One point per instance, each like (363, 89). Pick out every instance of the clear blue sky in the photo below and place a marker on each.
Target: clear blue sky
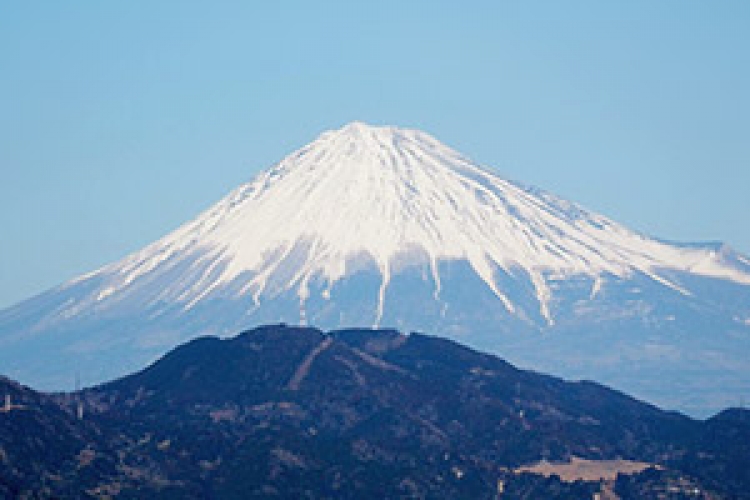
(121, 120)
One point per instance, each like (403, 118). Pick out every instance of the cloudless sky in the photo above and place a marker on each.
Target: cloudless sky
(121, 120)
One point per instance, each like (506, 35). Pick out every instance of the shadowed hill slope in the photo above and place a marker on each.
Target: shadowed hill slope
(296, 412)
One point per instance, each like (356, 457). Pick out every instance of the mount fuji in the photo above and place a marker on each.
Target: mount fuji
(382, 226)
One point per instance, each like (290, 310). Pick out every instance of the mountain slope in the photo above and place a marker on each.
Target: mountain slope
(291, 412)
(45, 451)
(387, 226)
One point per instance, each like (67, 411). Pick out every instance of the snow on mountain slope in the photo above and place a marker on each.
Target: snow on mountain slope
(396, 196)
(340, 225)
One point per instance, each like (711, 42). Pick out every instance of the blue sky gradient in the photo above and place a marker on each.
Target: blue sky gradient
(121, 120)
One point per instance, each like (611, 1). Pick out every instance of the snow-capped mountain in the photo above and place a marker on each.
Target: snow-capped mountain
(381, 226)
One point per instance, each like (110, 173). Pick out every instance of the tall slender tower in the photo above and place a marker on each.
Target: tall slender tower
(79, 403)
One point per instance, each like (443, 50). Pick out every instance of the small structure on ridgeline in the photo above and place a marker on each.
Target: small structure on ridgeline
(79, 403)
(9, 406)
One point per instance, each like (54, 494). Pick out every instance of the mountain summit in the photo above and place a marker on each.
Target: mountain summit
(371, 226)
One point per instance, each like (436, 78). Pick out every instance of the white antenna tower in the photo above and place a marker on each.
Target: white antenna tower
(79, 404)
(9, 406)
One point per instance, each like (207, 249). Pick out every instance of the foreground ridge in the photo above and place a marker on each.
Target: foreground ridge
(371, 413)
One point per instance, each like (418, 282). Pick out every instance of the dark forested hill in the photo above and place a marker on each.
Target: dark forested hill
(298, 413)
